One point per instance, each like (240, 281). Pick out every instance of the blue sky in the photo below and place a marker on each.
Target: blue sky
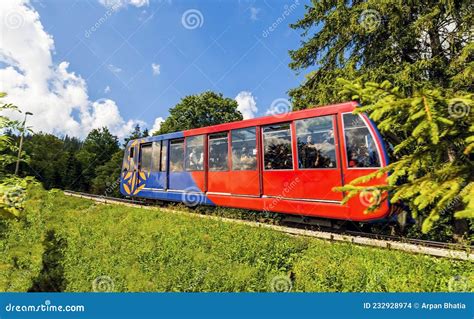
(146, 56)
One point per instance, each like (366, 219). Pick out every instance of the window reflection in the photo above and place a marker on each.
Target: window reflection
(244, 149)
(195, 153)
(360, 146)
(145, 157)
(277, 145)
(218, 152)
(316, 142)
(177, 155)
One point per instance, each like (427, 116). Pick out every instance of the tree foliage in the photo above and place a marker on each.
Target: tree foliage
(135, 134)
(107, 179)
(200, 110)
(412, 44)
(12, 189)
(7, 145)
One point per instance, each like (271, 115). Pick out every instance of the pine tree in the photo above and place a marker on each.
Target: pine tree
(412, 44)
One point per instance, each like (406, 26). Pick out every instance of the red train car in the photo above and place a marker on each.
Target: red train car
(285, 163)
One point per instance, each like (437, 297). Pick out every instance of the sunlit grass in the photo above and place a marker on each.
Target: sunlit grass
(156, 250)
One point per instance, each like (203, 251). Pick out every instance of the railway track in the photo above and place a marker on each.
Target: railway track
(425, 247)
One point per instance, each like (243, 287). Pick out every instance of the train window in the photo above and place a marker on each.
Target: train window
(156, 156)
(218, 152)
(132, 152)
(360, 145)
(145, 157)
(177, 155)
(126, 162)
(244, 149)
(195, 153)
(164, 153)
(316, 142)
(277, 146)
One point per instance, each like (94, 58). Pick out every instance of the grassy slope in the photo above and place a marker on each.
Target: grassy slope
(152, 250)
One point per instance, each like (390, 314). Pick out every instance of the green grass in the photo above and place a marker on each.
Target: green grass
(66, 243)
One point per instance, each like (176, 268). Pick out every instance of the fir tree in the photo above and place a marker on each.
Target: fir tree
(413, 44)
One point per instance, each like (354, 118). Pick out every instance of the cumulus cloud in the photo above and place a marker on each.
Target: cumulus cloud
(56, 96)
(155, 68)
(247, 105)
(157, 125)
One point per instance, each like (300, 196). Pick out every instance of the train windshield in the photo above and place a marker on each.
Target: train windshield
(360, 145)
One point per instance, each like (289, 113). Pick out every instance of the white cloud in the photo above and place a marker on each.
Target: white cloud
(118, 4)
(247, 105)
(107, 89)
(157, 125)
(155, 68)
(253, 13)
(114, 69)
(56, 96)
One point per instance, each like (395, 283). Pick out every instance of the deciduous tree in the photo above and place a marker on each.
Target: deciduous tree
(200, 110)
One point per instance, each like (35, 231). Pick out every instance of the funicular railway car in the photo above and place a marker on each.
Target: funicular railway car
(285, 163)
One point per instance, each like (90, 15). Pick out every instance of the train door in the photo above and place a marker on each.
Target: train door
(318, 159)
(158, 176)
(129, 170)
(177, 176)
(278, 175)
(218, 177)
(144, 165)
(244, 173)
(194, 162)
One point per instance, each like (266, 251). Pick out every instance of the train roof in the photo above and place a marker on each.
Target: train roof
(263, 120)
